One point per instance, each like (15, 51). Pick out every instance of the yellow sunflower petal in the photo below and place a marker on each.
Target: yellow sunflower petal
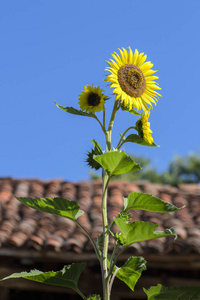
(135, 56)
(131, 79)
(92, 99)
(130, 56)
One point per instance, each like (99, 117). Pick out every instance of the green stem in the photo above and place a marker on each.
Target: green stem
(81, 294)
(104, 266)
(112, 279)
(112, 260)
(110, 126)
(105, 178)
(118, 145)
(111, 225)
(91, 240)
(102, 126)
(119, 254)
(104, 119)
(117, 269)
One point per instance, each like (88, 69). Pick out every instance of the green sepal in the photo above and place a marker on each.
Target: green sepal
(134, 138)
(56, 206)
(136, 113)
(94, 152)
(139, 231)
(67, 277)
(161, 292)
(74, 111)
(148, 202)
(131, 271)
(116, 163)
(132, 111)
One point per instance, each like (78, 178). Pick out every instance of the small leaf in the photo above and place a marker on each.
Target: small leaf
(148, 202)
(131, 271)
(161, 292)
(74, 111)
(56, 206)
(141, 231)
(134, 138)
(116, 163)
(67, 277)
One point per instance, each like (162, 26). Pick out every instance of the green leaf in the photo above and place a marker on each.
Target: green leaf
(131, 271)
(67, 277)
(116, 163)
(134, 138)
(74, 111)
(161, 292)
(148, 202)
(141, 231)
(56, 206)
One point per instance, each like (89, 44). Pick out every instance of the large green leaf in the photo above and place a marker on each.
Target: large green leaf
(134, 138)
(147, 202)
(56, 206)
(67, 277)
(140, 231)
(131, 271)
(116, 163)
(161, 292)
(74, 111)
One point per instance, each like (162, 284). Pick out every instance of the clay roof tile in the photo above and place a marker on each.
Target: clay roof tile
(21, 226)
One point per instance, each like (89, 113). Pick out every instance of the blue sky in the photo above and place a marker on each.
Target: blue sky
(51, 49)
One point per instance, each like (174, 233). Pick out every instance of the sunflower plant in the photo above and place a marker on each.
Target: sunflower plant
(135, 90)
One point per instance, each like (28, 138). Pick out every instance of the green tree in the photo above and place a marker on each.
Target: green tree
(185, 169)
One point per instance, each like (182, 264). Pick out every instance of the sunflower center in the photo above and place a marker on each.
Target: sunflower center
(93, 99)
(131, 80)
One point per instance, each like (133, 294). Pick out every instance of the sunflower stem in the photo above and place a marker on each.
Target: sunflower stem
(122, 136)
(91, 240)
(106, 178)
(112, 279)
(109, 131)
(104, 265)
(81, 294)
(104, 119)
(102, 126)
(112, 260)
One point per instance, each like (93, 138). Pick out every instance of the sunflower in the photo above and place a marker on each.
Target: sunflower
(143, 128)
(132, 81)
(92, 99)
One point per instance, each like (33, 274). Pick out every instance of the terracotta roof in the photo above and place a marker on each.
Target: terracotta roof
(24, 228)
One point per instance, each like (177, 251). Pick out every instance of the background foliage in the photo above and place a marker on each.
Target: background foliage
(182, 169)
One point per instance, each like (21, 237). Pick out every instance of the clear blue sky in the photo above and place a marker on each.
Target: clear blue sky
(51, 49)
